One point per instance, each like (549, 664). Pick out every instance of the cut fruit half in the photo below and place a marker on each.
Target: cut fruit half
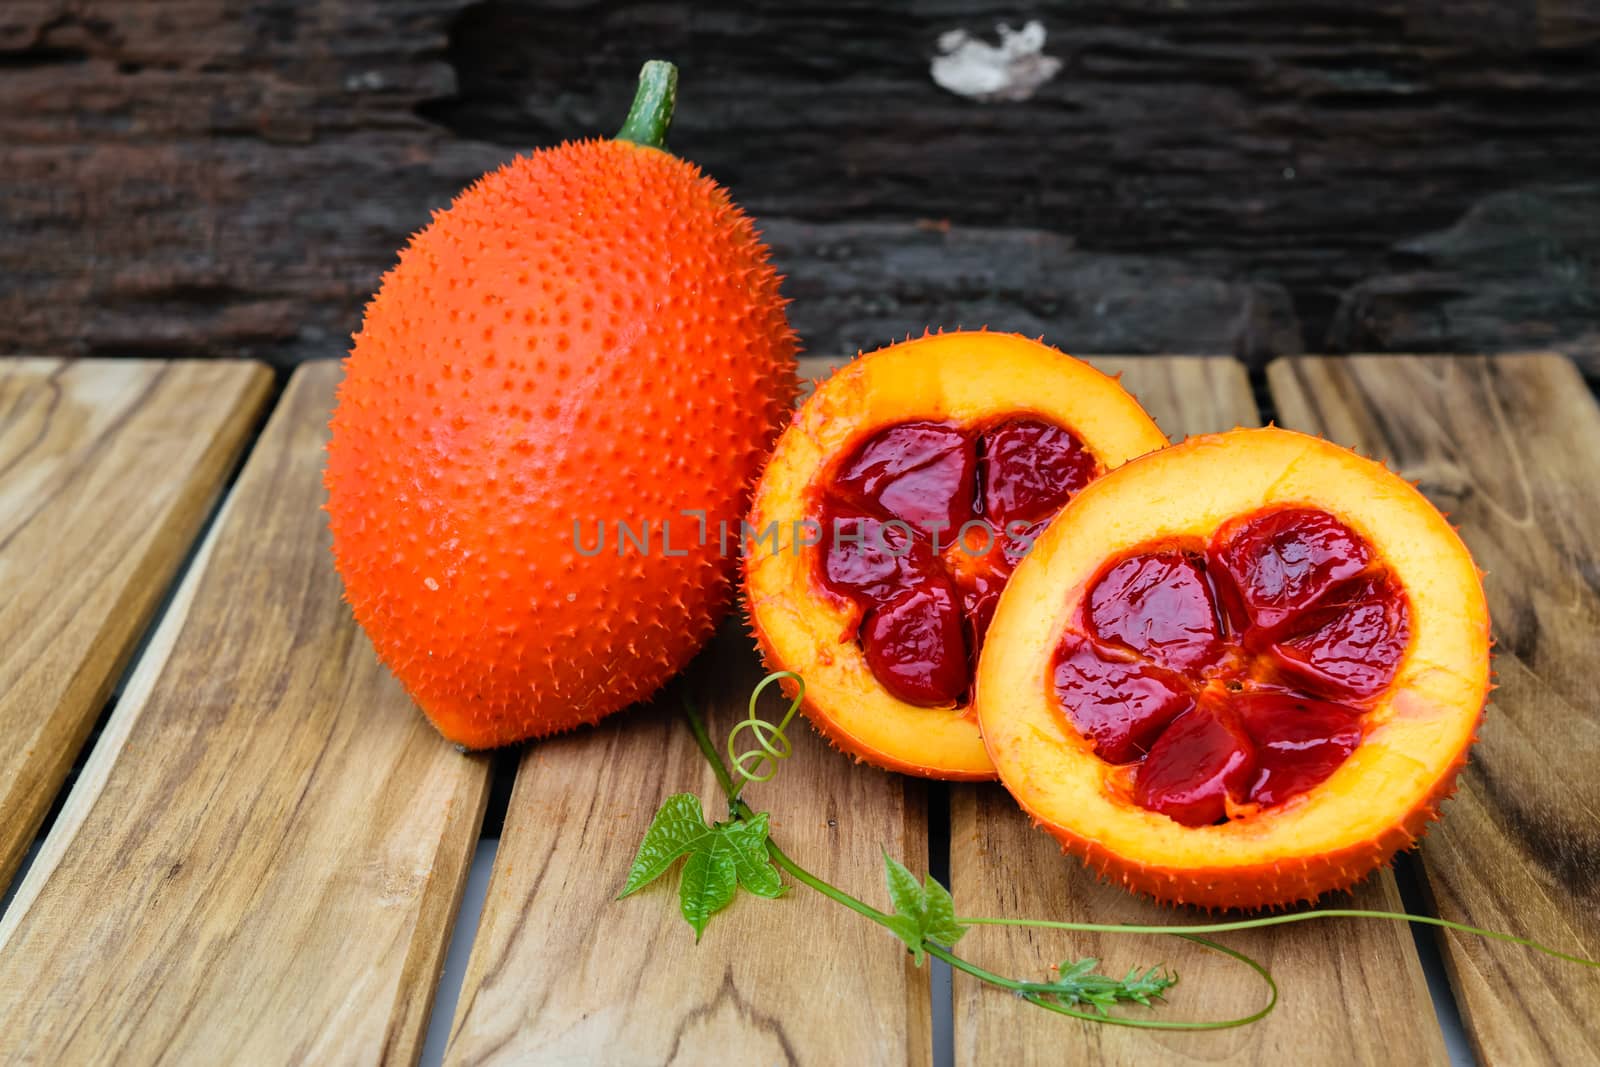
(1241, 671)
(891, 515)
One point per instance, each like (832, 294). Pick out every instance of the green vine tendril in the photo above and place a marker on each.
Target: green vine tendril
(761, 764)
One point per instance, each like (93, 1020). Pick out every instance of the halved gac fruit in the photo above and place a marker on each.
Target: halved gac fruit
(1239, 672)
(893, 511)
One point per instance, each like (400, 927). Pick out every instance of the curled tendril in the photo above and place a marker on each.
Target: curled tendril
(761, 763)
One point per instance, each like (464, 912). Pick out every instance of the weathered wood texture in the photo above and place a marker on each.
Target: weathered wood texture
(1520, 270)
(196, 176)
(261, 861)
(107, 470)
(1352, 992)
(563, 973)
(1290, 142)
(857, 286)
(1508, 447)
(767, 984)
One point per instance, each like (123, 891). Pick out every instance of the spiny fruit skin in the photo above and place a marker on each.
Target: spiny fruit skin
(591, 334)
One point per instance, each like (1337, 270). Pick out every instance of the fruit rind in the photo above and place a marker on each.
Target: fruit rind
(1418, 732)
(965, 377)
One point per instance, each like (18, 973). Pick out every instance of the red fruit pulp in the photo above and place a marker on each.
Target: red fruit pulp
(1159, 606)
(906, 639)
(920, 472)
(1281, 560)
(921, 527)
(1123, 704)
(1196, 766)
(1238, 672)
(1299, 742)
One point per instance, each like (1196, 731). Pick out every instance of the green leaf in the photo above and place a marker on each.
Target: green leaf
(1077, 970)
(678, 827)
(924, 912)
(939, 909)
(909, 906)
(709, 881)
(750, 859)
(721, 858)
(904, 892)
(907, 930)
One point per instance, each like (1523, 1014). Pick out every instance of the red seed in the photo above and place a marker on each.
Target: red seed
(1030, 469)
(921, 472)
(1121, 706)
(1299, 742)
(1158, 605)
(1274, 566)
(1201, 761)
(872, 558)
(1353, 641)
(914, 645)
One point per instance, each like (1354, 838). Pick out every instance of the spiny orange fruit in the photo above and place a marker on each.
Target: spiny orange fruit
(1240, 671)
(589, 338)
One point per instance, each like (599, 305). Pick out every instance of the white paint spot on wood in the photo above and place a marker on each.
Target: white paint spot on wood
(1013, 70)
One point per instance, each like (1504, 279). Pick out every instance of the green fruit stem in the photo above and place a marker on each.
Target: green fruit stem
(651, 112)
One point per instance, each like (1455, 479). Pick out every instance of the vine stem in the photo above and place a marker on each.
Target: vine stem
(739, 809)
(1279, 920)
(772, 743)
(1043, 994)
(1037, 993)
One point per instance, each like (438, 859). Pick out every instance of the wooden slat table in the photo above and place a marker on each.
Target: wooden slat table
(261, 858)
(563, 973)
(106, 473)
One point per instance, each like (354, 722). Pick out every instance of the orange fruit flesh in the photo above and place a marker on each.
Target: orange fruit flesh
(900, 499)
(1238, 672)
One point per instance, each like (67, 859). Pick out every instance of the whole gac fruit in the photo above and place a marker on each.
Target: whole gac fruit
(589, 338)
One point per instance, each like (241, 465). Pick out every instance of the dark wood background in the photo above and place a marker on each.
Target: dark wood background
(206, 177)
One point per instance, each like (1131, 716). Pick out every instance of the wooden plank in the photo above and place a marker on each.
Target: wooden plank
(263, 857)
(563, 973)
(1352, 993)
(1507, 445)
(107, 470)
